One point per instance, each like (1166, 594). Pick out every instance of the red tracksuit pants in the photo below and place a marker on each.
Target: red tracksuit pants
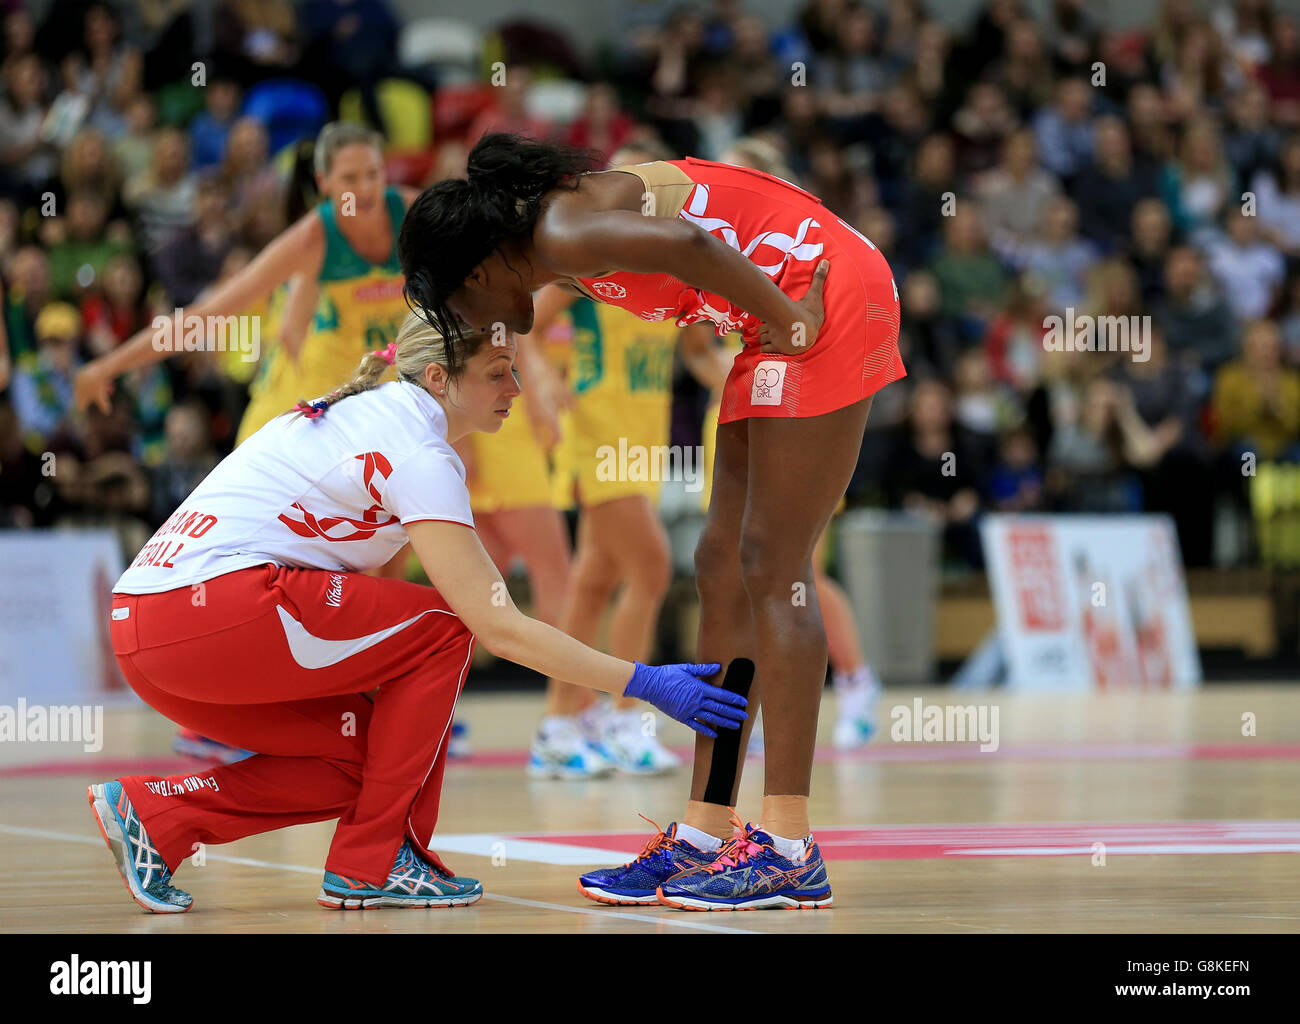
(276, 660)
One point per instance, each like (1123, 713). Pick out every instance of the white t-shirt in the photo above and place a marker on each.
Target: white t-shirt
(327, 493)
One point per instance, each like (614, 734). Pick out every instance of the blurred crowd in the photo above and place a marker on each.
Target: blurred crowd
(1012, 169)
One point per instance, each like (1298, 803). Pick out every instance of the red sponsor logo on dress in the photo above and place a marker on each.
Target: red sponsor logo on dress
(378, 291)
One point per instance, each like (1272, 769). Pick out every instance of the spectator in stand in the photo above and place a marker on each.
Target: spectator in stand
(163, 197)
(931, 339)
(715, 116)
(904, 22)
(27, 160)
(1014, 342)
(1250, 143)
(26, 295)
(1249, 271)
(1280, 77)
(1257, 399)
(1061, 259)
(245, 175)
(189, 458)
(1073, 35)
(1064, 129)
(42, 387)
(760, 78)
(88, 165)
(1148, 249)
(510, 113)
(1198, 185)
(134, 149)
(833, 181)
(1014, 196)
(210, 126)
(104, 70)
(350, 44)
(1094, 454)
(893, 136)
(1109, 188)
(801, 123)
(930, 73)
(116, 310)
(933, 471)
(191, 259)
(980, 407)
(1149, 129)
(921, 212)
(852, 75)
(1277, 199)
(1180, 478)
(1016, 483)
(1290, 323)
(820, 22)
(972, 283)
(1200, 76)
(85, 245)
(602, 125)
(981, 127)
(27, 495)
(19, 37)
(1247, 26)
(1113, 290)
(1193, 316)
(1026, 75)
(256, 39)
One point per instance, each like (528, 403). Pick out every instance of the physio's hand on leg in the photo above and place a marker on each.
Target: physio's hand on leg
(678, 691)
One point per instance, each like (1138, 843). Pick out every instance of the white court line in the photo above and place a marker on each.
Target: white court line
(612, 913)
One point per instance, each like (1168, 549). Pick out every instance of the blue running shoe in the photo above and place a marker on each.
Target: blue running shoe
(750, 874)
(636, 882)
(413, 882)
(147, 877)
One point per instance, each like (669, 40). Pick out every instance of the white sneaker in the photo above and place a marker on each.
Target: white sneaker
(560, 751)
(856, 696)
(628, 746)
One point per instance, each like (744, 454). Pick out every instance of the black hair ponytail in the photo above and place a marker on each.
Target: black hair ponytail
(455, 225)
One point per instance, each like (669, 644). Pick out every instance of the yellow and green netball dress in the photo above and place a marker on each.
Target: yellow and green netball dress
(620, 374)
(360, 308)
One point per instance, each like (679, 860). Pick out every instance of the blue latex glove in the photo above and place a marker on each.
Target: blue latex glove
(677, 691)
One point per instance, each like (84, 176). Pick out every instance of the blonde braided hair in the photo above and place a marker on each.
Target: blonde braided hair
(417, 346)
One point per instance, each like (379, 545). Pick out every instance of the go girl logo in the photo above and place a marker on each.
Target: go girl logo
(769, 382)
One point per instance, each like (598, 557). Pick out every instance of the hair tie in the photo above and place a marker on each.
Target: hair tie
(310, 410)
(390, 353)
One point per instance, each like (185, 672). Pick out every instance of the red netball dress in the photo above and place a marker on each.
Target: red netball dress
(785, 232)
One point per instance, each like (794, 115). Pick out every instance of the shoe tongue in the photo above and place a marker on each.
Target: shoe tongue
(755, 835)
(671, 830)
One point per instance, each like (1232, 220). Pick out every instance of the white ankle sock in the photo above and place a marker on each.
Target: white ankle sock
(699, 840)
(791, 848)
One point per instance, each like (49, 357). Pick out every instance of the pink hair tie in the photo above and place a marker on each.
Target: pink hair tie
(390, 353)
(310, 410)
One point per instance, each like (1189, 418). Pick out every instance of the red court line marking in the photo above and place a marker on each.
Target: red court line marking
(920, 842)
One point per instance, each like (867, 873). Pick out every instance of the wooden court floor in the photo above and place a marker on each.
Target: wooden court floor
(1116, 813)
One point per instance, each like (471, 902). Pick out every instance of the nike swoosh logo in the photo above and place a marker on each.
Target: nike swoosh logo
(315, 652)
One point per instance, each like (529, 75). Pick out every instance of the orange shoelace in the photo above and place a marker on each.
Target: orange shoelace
(657, 842)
